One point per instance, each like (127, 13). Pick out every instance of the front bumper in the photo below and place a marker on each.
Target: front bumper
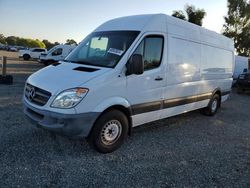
(41, 60)
(72, 125)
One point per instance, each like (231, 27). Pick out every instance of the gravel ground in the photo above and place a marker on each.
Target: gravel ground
(189, 150)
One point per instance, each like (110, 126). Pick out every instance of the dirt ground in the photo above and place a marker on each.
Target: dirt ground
(189, 150)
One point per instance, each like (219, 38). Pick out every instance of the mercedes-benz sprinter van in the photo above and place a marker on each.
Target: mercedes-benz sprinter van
(128, 72)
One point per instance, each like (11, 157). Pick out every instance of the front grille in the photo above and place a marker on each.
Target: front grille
(36, 95)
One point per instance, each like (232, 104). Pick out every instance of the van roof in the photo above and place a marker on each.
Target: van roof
(133, 23)
(167, 24)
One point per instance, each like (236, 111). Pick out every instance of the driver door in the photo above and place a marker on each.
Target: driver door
(145, 91)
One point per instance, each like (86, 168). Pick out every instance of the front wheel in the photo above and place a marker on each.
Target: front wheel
(213, 106)
(109, 131)
(26, 57)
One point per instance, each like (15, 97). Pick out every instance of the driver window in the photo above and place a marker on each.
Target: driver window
(58, 51)
(151, 50)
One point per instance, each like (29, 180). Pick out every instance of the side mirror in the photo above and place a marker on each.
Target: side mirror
(135, 65)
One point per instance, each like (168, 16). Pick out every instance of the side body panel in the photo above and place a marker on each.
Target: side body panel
(198, 62)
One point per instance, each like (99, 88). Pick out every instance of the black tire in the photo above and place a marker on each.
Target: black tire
(26, 57)
(213, 106)
(103, 126)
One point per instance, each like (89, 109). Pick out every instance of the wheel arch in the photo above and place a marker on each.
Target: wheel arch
(116, 103)
(217, 91)
(26, 54)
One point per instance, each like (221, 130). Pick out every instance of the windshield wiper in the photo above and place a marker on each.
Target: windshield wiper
(83, 62)
(78, 62)
(86, 63)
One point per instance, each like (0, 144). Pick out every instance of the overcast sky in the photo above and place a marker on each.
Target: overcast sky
(58, 20)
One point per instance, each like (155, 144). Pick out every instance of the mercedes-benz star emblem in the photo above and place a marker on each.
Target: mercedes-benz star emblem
(31, 94)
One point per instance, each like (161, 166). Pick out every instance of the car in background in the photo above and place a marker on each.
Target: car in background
(241, 63)
(33, 53)
(2, 46)
(55, 54)
(21, 48)
(243, 82)
(13, 49)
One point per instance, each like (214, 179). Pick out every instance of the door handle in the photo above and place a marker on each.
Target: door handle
(158, 78)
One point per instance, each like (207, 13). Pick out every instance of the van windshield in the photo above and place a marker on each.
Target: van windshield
(52, 49)
(103, 49)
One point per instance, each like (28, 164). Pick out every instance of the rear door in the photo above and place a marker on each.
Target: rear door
(36, 53)
(145, 91)
(33, 53)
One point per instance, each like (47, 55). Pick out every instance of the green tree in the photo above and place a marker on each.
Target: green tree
(26, 42)
(12, 40)
(35, 43)
(40, 44)
(31, 43)
(2, 39)
(22, 42)
(71, 41)
(56, 43)
(237, 25)
(49, 44)
(179, 14)
(191, 14)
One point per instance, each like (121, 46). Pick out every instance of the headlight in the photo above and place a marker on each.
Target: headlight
(69, 98)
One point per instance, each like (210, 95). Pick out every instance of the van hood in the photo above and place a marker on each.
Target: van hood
(61, 76)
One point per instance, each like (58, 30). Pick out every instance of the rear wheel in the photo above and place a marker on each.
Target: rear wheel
(26, 57)
(213, 106)
(109, 131)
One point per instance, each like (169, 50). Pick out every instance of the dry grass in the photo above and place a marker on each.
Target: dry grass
(17, 67)
(9, 54)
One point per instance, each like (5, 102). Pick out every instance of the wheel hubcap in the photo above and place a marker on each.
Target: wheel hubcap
(214, 105)
(111, 132)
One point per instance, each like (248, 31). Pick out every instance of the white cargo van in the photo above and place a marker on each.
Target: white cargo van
(55, 54)
(241, 64)
(128, 72)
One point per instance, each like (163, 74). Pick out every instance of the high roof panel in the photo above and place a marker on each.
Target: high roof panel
(168, 24)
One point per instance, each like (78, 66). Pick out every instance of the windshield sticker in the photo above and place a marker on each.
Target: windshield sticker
(115, 51)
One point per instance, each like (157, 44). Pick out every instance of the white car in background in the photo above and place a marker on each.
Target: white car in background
(33, 53)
